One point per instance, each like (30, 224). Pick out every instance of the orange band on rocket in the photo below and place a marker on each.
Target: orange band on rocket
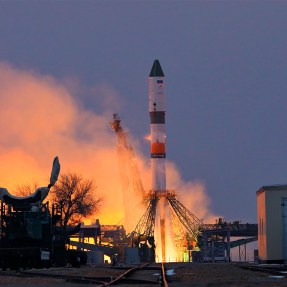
(157, 147)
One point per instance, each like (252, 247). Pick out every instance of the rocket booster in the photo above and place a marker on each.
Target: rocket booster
(157, 109)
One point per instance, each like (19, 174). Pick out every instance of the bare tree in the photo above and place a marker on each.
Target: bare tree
(26, 189)
(77, 196)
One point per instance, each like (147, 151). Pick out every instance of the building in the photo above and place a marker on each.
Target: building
(272, 224)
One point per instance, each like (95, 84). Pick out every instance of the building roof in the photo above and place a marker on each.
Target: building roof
(275, 187)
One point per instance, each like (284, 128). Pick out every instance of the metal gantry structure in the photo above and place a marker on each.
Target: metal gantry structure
(132, 186)
(146, 224)
(193, 225)
(190, 224)
(212, 239)
(128, 164)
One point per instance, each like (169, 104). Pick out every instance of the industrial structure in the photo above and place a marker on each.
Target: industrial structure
(272, 224)
(101, 240)
(31, 235)
(132, 187)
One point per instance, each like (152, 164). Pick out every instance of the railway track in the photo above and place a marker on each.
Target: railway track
(152, 275)
(145, 274)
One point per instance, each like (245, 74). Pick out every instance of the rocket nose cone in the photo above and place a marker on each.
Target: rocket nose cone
(156, 70)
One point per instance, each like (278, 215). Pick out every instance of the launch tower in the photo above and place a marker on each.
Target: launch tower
(132, 187)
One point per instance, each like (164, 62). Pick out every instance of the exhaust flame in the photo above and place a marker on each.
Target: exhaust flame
(164, 233)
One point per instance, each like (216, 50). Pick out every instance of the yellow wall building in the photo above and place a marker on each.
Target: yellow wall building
(272, 223)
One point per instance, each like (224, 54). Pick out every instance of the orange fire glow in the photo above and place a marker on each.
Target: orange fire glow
(40, 118)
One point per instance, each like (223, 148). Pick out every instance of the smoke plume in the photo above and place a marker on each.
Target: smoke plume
(41, 117)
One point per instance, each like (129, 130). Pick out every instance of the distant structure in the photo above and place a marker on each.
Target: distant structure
(272, 224)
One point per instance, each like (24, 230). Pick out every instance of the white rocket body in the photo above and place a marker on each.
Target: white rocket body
(157, 109)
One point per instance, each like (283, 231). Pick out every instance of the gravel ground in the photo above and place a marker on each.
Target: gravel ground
(184, 274)
(221, 274)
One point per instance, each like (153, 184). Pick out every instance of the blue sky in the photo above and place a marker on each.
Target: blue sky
(225, 64)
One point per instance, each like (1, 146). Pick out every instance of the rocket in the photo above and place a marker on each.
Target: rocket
(157, 109)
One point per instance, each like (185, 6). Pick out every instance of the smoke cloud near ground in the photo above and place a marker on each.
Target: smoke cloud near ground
(191, 194)
(41, 117)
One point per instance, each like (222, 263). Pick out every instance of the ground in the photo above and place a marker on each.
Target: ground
(222, 274)
(184, 274)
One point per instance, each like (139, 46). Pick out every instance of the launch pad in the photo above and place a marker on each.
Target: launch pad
(187, 225)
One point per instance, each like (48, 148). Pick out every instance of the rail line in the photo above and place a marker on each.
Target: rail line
(164, 279)
(138, 275)
(148, 274)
